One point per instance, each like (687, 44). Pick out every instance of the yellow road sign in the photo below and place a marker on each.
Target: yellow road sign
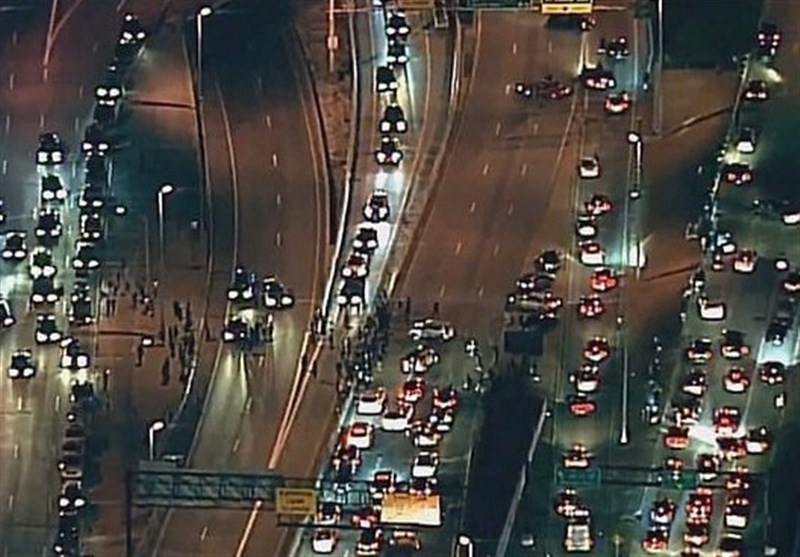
(415, 5)
(295, 501)
(558, 7)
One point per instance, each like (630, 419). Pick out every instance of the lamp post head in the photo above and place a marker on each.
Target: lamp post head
(157, 425)
(634, 138)
(166, 189)
(205, 11)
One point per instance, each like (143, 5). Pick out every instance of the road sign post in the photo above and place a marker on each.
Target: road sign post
(575, 477)
(567, 7)
(296, 501)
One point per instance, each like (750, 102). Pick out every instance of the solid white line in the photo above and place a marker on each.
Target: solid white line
(11, 79)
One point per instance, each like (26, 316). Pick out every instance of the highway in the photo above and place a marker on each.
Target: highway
(35, 100)
(265, 140)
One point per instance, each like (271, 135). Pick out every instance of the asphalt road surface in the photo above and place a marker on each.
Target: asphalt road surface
(278, 207)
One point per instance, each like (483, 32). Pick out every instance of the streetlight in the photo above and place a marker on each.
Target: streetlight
(635, 139)
(163, 191)
(203, 12)
(464, 546)
(154, 428)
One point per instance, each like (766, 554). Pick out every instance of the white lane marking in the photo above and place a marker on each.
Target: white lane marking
(268, 121)
(204, 533)
(57, 403)
(19, 404)
(458, 248)
(45, 75)
(11, 79)
(472, 207)
(5, 167)
(11, 501)
(274, 159)
(278, 199)
(441, 291)
(14, 38)
(80, 91)
(498, 128)
(535, 128)
(8, 122)
(278, 239)
(77, 124)
(16, 450)
(524, 169)
(514, 48)
(249, 404)
(41, 121)
(235, 445)
(510, 209)
(508, 88)
(496, 250)
(480, 292)
(486, 169)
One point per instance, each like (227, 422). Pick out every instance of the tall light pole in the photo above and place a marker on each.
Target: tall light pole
(203, 12)
(163, 191)
(333, 38)
(154, 428)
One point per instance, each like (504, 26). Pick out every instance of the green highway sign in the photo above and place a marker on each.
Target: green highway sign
(575, 477)
(680, 480)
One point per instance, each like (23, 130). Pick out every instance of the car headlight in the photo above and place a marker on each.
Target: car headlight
(247, 294)
(288, 300)
(355, 299)
(63, 502)
(41, 157)
(386, 126)
(78, 263)
(347, 272)
(28, 372)
(341, 299)
(232, 294)
(401, 126)
(271, 302)
(13, 373)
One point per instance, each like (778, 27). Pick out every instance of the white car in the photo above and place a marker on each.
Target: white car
(276, 294)
(586, 227)
(711, 311)
(51, 150)
(593, 254)
(736, 381)
(324, 541)
(419, 360)
(425, 465)
(361, 435)
(73, 356)
(22, 365)
(376, 209)
(589, 167)
(587, 379)
(15, 247)
(399, 419)
(41, 264)
(577, 457)
(356, 266)
(431, 329)
(366, 239)
(47, 330)
(746, 142)
(389, 153)
(745, 261)
(371, 403)
(85, 258)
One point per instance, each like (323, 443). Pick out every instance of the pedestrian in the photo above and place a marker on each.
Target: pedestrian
(135, 300)
(436, 309)
(106, 375)
(114, 305)
(165, 375)
(139, 354)
(176, 309)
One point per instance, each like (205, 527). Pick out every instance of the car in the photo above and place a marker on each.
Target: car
(737, 173)
(745, 261)
(581, 405)
(351, 292)
(687, 412)
(590, 306)
(578, 456)
(596, 349)
(22, 365)
(567, 503)
(383, 482)
(48, 226)
(328, 513)
(597, 78)
(586, 227)
(45, 291)
(548, 262)
(578, 533)
(534, 300)
(393, 120)
(777, 330)
(52, 190)
(733, 345)
(617, 48)
(7, 318)
(708, 466)
(397, 25)
(769, 39)
(603, 280)
(676, 438)
(700, 505)
(441, 419)
(324, 540)
(51, 150)
(86, 257)
(727, 420)
(276, 294)
(598, 205)
(445, 398)
(71, 498)
(15, 247)
(592, 254)
(2, 212)
(524, 90)
(132, 32)
(346, 455)
(360, 435)
(397, 419)
(74, 357)
(376, 209)
(617, 103)
(711, 310)
(425, 465)
(699, 351)
(366, 239)
(67, 540)
(96, 169)
(365, 517)
(589, 167)
(696, 383)
(756, 90)
(243, 286)
(92, 196)
(236, 329)
(696, 535)
(586, 379)
(370, 542)
(431, 329)
(791, 282)
(47, 331)
(424, 435)
(412, 390)
(538, 282)
(371, 403)
(92, 227)
(746, 141)
(552, 89)
(80, 309)
(736, 380)
(41, 263)
(758, 440)
(738, 479)
(356, 265)
(388, 153)
(656, 540)
(396, 53)
(385, 81)
(662, 512)
(94, 140)
(405, 540)
(419, 360)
